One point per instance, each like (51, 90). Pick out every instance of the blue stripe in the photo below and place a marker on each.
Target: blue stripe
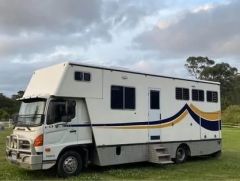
(170, 118)
(210, 125)
(78, 125)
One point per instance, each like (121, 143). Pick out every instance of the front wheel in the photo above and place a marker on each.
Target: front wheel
(181, 154)
(69, 164)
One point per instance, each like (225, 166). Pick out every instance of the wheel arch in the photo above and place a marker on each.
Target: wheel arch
(83, 150)
(187, 147)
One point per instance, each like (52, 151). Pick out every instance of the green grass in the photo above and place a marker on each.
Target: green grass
(227, 167)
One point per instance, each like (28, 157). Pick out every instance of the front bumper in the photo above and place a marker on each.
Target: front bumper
(25, 157)
(30, 162)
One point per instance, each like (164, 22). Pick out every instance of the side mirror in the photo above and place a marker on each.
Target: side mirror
(42, 118)
(14, 119)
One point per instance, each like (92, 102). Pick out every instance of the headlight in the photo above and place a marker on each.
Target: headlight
(14, 144)
(11, 145)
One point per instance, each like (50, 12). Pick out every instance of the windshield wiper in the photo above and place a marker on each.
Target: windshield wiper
(22, 123)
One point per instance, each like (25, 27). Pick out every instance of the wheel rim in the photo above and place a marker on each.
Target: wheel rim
(181, 154)
(70, 165)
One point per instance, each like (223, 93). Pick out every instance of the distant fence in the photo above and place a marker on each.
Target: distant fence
(5, 124)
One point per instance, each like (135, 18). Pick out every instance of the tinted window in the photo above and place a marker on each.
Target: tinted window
(201, 95)
(194, 95)
(179, 94)
(185, 94)
(197, 95)
(117, 97)
(154, 99)
(182, 93)
(87, 76)
(209, 96)
(129, 98)
(60, 111)
(122, 97)
(215, 96)
(212, 96)
(82, 76)
(79, 76)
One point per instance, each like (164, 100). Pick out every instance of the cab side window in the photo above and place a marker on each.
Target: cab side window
(61, 111)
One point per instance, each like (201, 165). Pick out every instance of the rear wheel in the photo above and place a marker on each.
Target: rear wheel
(181, 154)
(69, 164)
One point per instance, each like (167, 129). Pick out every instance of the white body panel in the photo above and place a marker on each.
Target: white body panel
(59, 81)
(175, 120)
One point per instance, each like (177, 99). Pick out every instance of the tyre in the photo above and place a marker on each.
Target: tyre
(69, 164)
(181, 154)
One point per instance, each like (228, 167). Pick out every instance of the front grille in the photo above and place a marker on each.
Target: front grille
(19, 144)
(24, 144)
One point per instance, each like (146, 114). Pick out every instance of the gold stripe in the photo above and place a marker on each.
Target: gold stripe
(175, 121)
(211, 116)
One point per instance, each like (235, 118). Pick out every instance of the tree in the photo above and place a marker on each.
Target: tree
(9, 105)
(227, 76)
(195, 65)
(18, 95)
(4, 115)
(221, 72)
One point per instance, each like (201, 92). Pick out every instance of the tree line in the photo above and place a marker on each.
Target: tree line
(9, 106)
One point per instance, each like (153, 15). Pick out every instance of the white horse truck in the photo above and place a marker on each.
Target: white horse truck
(73, 115)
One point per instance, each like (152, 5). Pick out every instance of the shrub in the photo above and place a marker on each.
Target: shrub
(231, 115)
(3, 115)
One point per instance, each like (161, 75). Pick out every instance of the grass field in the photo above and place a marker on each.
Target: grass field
(227, 167)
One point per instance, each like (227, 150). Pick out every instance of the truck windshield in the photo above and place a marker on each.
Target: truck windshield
(31, 112)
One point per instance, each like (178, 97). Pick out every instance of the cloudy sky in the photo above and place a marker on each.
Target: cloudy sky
(147, 35)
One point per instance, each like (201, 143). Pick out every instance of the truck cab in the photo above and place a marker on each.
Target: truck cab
(45, 130)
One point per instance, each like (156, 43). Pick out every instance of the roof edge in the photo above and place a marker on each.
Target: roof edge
(139, 72)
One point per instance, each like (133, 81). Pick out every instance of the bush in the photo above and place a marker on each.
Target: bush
(231, 115)
(4, 115)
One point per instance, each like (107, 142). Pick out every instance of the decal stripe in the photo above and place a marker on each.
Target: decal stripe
(211, 116)
(207, 120)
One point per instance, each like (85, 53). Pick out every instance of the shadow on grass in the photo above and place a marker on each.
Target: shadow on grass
(94, 170)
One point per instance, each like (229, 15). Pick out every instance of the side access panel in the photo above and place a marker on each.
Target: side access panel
(114, 155)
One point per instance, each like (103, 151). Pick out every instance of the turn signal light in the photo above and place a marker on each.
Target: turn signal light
(38, 141)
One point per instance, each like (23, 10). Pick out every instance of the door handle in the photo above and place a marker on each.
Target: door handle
(61, 124)
(73, 131)
(160, 116)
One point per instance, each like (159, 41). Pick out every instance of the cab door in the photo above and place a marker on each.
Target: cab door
(154, 114)
(57, 132)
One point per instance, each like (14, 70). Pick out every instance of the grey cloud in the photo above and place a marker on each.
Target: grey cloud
(214, 32)
(33, 28)
(42, 44)
(31, 31)
(48, 16)
(38, 27)
(15, 76)
(129, 13)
